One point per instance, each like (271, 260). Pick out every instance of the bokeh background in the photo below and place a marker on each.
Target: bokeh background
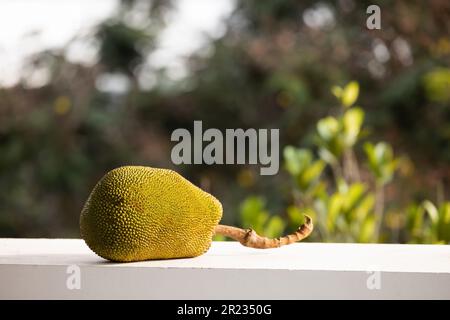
(364, 115)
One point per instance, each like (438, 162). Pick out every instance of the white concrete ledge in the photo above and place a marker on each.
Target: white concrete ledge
(38, 269)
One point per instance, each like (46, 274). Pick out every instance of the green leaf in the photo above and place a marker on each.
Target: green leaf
(337, 91)
(274, 227)
(444, 218)
(437, 83)
(328, 128)
(444, 211)
(432, 211)
(311, 174)
(353, 196)
(381, 161)
(318, 190)
(350, 94)
(342, 185)
(327, 156)
(352, 119)
(253, 213)
(415, 220)
(364, 208)
(372, 159)
(292, 164)
(295, 215)
(383, 152)
(334, 209)
(370, 152)
(367, 231)
(296, 160)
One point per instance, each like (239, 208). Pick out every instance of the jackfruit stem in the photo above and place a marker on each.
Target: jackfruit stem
(249, 238)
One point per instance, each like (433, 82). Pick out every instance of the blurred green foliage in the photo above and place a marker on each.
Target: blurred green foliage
(272, 67)
(437, 84)
(427, 223)
(381, 161)
(254, 215)
(346, 208)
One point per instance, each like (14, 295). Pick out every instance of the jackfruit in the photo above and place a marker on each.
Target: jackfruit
(137, 213)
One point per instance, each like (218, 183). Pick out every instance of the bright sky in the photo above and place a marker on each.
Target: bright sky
(189, 27)
(57, 22)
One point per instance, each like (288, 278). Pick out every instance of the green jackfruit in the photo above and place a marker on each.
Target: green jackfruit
(140, 213)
